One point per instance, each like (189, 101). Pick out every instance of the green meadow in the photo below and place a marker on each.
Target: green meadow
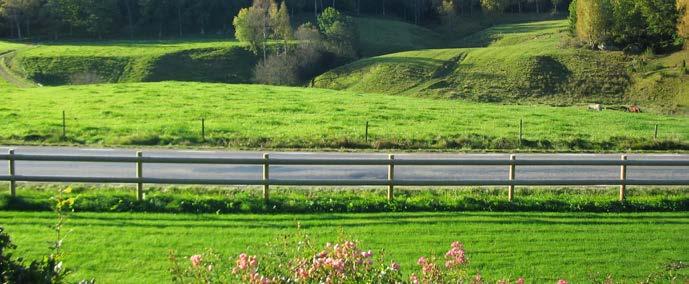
(253, 116)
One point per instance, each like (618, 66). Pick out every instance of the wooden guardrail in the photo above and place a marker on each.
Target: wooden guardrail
(391, 182)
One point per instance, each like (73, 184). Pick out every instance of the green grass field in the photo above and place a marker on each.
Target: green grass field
(516, 63)
(255, 116)
(75, 62)
(133, 248)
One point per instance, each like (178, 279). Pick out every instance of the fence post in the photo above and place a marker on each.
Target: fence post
(513, 168)
(13, 184)
(623, 178)
(655, 134)
(521, 131)
(391, 177)
(64, 125)
(266, 177)
(139, 175)
(366, 131)
(203, 129)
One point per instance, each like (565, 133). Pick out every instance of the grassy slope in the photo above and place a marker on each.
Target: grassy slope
(382, 36)
(511, 63)
(57, 63)
(262, 116)
(133, 248)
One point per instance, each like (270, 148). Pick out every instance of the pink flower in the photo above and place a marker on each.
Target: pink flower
(395, 266)
(520, 280)
(562, 281)
(367, 254)
(195, 260)
(421, 261)
(414, 279)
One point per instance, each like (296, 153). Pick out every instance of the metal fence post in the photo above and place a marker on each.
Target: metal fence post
(391, 178)
(13, 184)
(139, 175)
(513, 171)
(623, 177)
(266, 177)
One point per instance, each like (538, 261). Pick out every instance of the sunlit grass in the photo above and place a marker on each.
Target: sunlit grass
(133, 248)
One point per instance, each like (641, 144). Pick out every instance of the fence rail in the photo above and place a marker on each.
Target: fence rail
(391, 182)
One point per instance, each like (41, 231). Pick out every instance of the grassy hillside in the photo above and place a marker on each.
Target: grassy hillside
(542, 247)
(133, 61)
(169, 113)
(382, 36)
(507, 63)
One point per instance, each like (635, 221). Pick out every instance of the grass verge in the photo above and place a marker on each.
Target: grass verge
(321, 200)
(543, 247)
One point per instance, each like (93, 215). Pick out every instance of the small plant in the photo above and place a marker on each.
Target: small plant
(49, 269)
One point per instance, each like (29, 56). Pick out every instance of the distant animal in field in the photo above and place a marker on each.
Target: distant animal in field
(596, 107)
(634, 109)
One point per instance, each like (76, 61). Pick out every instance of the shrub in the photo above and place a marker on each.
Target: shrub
(342, 262)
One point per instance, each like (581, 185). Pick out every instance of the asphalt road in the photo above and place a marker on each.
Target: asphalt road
(331, 172)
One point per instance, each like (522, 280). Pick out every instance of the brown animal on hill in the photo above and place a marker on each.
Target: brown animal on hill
(634, 109)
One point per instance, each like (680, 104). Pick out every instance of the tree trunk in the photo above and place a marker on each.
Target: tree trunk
(19, 29)
(315, 11)
(179, 19)
(130, 20)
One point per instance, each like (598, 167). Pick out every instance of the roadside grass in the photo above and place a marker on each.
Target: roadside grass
(256, 116)
(519, 62)
(543, 247)
(177, 199)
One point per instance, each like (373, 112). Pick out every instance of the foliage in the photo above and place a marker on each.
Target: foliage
(683, 21)
(49, 269)
(324, 200)
(646, 23)
(494, 6)
(340, 32)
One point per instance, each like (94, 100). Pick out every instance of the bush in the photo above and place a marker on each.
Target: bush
(299, 261)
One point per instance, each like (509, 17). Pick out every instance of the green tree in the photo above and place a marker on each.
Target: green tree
(280, 21)
(683, 21)
(340, 31)
(593, 21)
(494, 6)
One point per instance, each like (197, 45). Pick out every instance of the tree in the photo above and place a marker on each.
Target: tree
(447, 11)
(683, 21)
(339, 31)
(19, 12)
(593, 21)
(282, 28)
(494, 6)
(556, 3)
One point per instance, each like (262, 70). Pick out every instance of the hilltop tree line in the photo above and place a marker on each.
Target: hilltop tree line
(173, 18)
(631, 25)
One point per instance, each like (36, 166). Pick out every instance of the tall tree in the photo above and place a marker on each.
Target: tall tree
(494, 6)
(593, 20)
(280, 21)
(683, 22)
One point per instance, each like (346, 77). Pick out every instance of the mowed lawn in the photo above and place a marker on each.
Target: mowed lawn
(133, 248)
(170, 113)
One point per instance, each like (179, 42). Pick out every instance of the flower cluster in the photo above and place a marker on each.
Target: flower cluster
(343, 262)
(337, 263)
(246, 268)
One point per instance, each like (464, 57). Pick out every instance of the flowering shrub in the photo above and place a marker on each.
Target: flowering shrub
(342, 262)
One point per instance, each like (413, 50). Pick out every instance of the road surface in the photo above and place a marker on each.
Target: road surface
(334, 172)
